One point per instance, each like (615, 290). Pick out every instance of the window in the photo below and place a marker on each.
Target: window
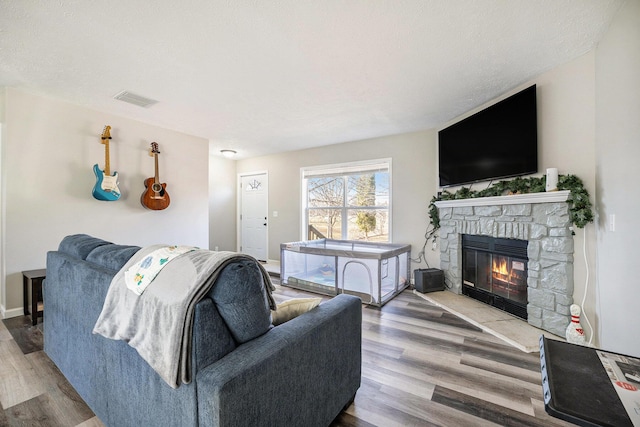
(348, 201)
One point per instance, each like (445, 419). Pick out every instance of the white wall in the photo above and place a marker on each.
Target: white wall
(3, 293)
(50, 148)
(618, 175)
(567, 132)
(413, 177)
(222, 202)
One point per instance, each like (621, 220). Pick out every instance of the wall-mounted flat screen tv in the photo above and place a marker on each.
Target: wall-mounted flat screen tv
(498, 142)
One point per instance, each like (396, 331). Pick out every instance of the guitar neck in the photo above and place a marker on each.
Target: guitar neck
(156, 178)
(107, 167)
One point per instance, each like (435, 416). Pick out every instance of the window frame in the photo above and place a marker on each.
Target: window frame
(344, 169)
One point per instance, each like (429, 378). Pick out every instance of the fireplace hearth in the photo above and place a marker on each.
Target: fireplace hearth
(494, 271)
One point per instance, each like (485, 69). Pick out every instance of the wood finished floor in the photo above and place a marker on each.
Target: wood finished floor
(421, 367)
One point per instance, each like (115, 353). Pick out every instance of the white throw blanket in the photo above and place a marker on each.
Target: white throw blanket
(158, 323)
(140, 275)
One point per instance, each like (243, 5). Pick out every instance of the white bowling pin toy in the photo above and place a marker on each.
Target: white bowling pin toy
(575, 333)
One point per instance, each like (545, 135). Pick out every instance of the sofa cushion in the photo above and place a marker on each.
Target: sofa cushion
(293, 308)
(112, 256)
(80, 245)
(212, 339)
(241, 299)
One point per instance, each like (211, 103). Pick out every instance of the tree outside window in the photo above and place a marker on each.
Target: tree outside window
(325, 199)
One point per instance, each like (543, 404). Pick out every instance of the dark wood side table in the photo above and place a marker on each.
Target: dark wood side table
(35, 277)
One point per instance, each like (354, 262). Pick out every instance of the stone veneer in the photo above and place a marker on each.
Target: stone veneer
(545, 225)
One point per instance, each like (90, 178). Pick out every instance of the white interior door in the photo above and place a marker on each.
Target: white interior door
(253, 215)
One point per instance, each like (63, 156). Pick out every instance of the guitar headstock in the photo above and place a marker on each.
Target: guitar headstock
(154, 148)
(106, 133)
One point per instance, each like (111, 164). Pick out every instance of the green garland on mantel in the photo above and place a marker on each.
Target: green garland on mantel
(580, 207)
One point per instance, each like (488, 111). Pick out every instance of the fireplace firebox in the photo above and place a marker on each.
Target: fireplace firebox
(494, 271)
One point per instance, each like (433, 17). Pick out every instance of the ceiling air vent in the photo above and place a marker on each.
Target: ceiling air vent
(134, 99)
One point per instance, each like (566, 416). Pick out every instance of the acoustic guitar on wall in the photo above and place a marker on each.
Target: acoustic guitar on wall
(106, 187)
(155, 196)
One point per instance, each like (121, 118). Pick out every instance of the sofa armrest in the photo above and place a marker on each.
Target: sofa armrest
(301, 373)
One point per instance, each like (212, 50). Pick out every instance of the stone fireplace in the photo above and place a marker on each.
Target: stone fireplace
(541, 219)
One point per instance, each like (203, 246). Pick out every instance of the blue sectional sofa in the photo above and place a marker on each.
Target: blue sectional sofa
(301, 373)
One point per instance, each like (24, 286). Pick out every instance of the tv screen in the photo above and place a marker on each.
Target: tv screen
(498, 142)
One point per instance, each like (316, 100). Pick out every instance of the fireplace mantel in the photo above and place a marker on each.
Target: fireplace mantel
(515, 199)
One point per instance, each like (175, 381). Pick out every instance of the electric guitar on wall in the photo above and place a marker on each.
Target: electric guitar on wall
(106, 187)
(155, 196)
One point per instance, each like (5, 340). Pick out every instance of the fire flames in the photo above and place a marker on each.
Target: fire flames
(500, 269)
(508, 279)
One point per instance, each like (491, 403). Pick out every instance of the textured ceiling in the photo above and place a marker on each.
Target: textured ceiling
(269, 76)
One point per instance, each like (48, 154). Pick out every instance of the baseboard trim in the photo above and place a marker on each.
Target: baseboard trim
(14, 312)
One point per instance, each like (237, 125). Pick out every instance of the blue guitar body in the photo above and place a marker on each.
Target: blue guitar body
(106, 187)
